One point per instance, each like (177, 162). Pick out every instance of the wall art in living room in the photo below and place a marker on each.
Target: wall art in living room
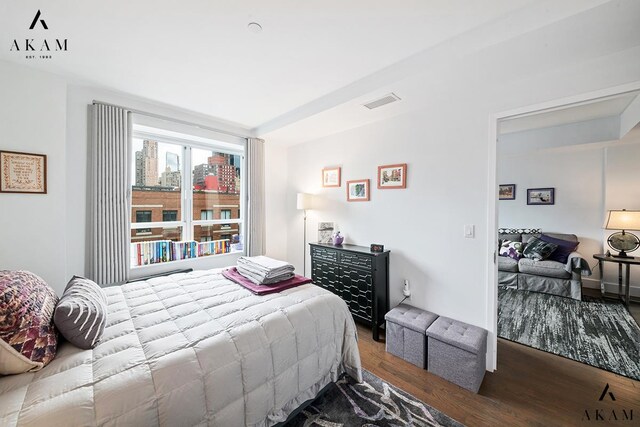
(358, 190)
(507, 192)
(392, 176)
(541, 196)
(23, 172)
(331, 177)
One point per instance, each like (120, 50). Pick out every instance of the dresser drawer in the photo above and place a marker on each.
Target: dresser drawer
(356, 260)
(324, 254)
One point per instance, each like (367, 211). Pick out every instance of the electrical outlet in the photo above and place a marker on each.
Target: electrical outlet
(406, 291)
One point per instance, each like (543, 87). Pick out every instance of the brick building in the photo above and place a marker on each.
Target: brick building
(156, 204)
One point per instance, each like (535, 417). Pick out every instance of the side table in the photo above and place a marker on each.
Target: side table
(627, 262)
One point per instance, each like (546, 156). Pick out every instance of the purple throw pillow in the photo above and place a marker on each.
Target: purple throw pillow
(565, 247)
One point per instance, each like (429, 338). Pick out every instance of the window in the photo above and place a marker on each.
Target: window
(143, 216)
(184, 180)
(169, 215)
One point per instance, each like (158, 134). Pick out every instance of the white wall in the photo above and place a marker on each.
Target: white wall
(32, 226)
(622, 191)
(275, 188)
(450, 163)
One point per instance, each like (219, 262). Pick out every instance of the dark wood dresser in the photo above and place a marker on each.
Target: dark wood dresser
(358, 276)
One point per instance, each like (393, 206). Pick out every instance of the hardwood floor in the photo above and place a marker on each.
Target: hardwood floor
(529, 388)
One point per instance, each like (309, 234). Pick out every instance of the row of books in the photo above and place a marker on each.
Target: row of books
(146, 253)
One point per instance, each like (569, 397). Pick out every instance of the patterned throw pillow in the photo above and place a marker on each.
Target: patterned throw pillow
(538, 250)
(28, 339)
(81, 313)
(511, 249)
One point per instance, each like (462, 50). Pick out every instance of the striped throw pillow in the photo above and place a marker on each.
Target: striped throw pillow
(81, 314)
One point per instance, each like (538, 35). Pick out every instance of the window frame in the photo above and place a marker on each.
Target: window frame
(187, 222)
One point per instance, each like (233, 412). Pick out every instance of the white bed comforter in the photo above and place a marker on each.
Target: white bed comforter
(192, 349)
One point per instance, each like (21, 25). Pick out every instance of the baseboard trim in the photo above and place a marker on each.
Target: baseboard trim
(610, 287)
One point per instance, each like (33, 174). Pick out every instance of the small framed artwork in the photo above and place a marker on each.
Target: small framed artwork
(358, 190)
(507, 192)
(392, 176)
(23, 172)
(331, 177)
(541, 196)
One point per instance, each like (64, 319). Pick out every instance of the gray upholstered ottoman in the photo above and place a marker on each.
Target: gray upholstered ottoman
(405, 333)
(457, 352)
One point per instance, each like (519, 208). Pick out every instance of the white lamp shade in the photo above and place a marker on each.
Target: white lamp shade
(304, 201)
(623, 220)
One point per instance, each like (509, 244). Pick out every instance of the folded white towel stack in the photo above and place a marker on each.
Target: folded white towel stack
(263, 270)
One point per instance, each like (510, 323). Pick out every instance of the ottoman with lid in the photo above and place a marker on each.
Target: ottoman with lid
(405, 333)
(457, 352)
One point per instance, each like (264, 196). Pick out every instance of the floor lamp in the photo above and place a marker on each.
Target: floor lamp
(304, 203)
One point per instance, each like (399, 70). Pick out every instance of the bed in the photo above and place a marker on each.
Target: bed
(192, 349)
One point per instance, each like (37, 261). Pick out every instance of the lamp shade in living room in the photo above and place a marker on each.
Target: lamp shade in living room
(623, 220)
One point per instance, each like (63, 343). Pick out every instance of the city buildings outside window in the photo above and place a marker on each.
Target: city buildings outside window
(178, 187)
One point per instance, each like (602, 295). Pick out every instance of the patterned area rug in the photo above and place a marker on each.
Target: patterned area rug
(600, 334)
(372, 403)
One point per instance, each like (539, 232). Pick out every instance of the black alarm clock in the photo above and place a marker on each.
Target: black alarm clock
(377, 248)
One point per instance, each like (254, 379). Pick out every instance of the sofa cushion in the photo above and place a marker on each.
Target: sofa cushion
(507, 264)
(511, 249)
(538, 250)
(514, 237)
(565, 246)
(543, 268)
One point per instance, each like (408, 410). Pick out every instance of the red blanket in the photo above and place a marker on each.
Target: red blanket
(233, 275)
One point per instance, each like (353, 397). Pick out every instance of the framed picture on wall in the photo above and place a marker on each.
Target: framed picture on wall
(358, 190)
(541, 196)
(23, 172)
(331, 177)
(392, 176)
(507, 192)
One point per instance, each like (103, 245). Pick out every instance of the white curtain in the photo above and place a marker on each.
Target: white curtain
(256, 223)
(110, 220)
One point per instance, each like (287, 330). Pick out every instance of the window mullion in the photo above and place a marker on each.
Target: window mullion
(187, 192)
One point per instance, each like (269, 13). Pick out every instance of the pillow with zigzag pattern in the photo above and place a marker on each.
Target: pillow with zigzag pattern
(81, 314)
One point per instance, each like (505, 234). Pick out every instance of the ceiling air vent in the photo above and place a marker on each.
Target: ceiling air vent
(387, 99)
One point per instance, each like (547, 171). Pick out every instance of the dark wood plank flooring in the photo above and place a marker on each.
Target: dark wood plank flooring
(529, 388)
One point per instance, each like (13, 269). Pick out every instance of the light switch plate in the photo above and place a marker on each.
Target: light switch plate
(469, 231)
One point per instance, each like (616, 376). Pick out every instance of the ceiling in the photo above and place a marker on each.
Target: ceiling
(582, 112)
(306, 74)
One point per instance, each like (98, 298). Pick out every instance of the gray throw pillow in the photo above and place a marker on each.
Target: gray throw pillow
(538, 250)
(81, 313)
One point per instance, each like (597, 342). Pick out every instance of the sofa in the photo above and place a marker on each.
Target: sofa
(547, 275)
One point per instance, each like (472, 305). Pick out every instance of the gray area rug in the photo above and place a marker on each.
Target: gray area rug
(600, 334)
(371, 403)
